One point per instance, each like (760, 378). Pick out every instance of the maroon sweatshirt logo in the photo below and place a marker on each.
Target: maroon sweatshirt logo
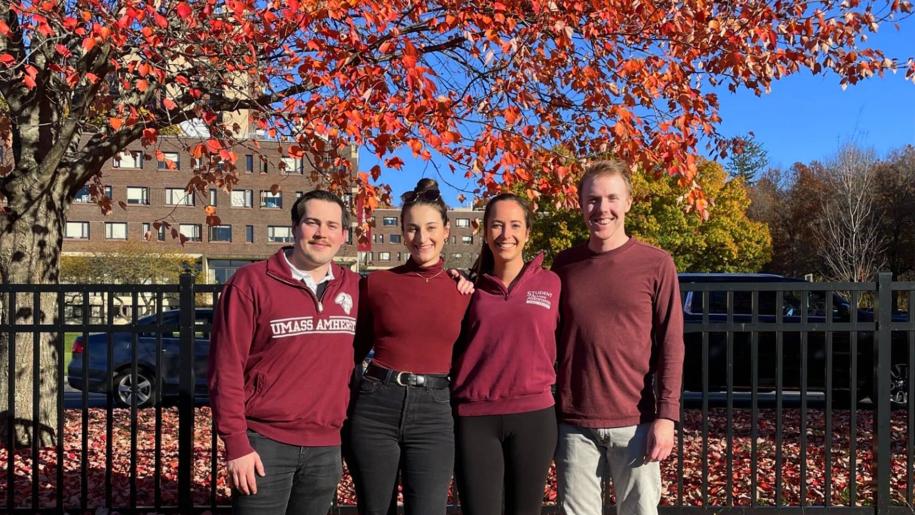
(540, 298)
(297, 326)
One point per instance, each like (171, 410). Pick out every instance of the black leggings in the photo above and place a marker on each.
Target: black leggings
(514, 451)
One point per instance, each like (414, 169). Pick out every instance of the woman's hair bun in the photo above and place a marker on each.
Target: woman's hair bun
(425, 184)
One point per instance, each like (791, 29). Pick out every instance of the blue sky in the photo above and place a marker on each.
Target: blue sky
(804, 118)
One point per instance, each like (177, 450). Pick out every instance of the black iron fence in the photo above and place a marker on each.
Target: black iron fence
(796, 396)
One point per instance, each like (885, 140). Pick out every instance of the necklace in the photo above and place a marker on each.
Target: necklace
(431, 276)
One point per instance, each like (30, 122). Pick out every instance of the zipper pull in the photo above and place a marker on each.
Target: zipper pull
(320, 307)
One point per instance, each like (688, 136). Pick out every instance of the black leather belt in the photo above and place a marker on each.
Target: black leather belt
(387, 376)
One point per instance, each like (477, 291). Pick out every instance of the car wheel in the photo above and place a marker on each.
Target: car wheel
(899, 385)
(125, 389)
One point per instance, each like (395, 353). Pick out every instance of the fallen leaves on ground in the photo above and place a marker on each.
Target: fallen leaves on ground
(849, 480)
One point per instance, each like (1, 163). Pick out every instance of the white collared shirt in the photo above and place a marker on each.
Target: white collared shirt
(306, 278)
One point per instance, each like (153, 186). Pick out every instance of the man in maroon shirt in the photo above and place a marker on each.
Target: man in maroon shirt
(620, 355)
(279, 367)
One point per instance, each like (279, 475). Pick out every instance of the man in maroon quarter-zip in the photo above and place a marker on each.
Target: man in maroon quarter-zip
(280, 362)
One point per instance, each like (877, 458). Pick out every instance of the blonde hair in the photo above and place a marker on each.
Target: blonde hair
(603, 168)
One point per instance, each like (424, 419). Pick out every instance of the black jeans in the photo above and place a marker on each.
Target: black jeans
(298, 480)
(510, 452)
(404, 428)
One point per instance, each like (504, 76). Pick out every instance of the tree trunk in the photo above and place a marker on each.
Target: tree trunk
(30, 242)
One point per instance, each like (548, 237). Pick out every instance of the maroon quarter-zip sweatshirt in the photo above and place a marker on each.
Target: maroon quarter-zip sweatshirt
(621, 337)
(280, 358)
(412, 317)
(504, 361)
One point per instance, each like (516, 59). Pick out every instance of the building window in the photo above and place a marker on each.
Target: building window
(467, 239)
(178, 197)
(384, 256)
(279, 234)
(115, 230)
(394, 238)
(389, 220)
(462, 222)
(249, 163)
(264, 168)
(242, 198)
(213, 196)
(221, 270)
(292, 165)
(190, 231)
(82, 196)
(170, 161)
(132, 159)
(77, 230)
(137, 195)
(249, 233)
(148, 229)
(221, 233)
(271, 200)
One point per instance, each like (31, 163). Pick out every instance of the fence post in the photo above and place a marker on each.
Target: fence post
(186, 394)
(882, 360)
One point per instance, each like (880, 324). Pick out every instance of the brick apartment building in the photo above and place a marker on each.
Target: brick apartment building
(254, 221)
(387, 250)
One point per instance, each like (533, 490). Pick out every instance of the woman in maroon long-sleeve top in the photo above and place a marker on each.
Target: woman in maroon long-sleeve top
(401, 414)
(503, 371)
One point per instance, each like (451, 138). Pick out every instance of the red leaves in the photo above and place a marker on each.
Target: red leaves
(88, 44)
(30, 74)
(410, 55)
(213, 146)
(511, 115)
(184, 11)
(7, 59)
(115, 123)
(395, 163)
(694, 459)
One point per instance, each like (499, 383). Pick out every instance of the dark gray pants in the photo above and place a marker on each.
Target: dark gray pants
(298, 481)
(407, 428)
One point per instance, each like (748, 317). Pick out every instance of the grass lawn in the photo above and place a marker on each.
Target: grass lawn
(68, 347)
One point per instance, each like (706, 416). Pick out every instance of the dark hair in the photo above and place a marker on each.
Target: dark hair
(486, 262)
(298, 209)
(603, 168)
(425, 193)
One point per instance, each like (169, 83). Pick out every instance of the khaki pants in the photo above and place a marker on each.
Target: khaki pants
(584, 457)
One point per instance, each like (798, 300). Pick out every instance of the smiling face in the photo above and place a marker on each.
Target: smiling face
(318, 235)
(424, 234)
(507, 231)
(605, 200)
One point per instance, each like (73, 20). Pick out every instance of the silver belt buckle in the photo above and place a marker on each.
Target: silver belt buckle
(397, 378)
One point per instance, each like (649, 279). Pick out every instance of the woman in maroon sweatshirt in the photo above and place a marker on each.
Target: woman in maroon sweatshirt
(401, 412)
(503, 371)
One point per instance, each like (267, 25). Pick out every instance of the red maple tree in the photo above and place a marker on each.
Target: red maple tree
(502, 90)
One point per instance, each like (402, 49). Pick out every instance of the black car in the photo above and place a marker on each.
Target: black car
(796, 295)
(154, 336)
